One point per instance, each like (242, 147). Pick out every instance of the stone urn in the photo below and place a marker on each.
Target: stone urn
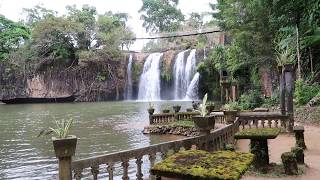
(210, 108)
(151, 111)
(176, 108)
(189, 109)
(195, 105)
(230, 116)
(204, 123)
(65, 147)
(165, 111)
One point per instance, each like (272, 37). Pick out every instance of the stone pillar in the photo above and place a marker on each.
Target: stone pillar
(289, 79)
(299, 135)
(150, 111)
(64, 150)
(234, 91)
(289, 163)
(282, 92)
(259, 147)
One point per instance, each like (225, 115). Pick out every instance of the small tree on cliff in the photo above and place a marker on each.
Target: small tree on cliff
(161, 15)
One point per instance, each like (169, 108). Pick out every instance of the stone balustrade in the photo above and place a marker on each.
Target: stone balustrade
(216, 140)
(263, 119)
(171, 117)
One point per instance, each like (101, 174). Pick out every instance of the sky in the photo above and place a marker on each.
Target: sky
(12, 9)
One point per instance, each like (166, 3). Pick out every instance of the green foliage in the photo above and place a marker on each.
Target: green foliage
(203, 107)
(184, 123)
(161, 15)
(305, 92)
(61, 130)
(231, 106)
(36, 14)
(250, 100)
(101, 77)
(12, 36)
(197, 164)
(271, 101)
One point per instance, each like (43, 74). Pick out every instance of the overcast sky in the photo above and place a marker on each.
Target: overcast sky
(12, 9)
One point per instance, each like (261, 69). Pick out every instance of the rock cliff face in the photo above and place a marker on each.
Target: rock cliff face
(88, 81)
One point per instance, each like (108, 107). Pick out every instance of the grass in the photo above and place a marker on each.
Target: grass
(184, 123)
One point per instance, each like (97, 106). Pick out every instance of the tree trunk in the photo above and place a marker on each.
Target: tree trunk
(298, 52)
(311, 60)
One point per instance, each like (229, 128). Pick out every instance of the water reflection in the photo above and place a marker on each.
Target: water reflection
(102, 128)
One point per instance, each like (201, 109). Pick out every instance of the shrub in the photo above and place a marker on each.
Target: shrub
(250, 100)
(305, 92)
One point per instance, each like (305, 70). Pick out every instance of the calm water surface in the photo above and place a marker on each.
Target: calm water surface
(102, 128)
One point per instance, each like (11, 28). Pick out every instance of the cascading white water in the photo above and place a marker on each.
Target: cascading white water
(183, 73)
(190, 69)
(179, 75)
(149, 85)
(192, 92)
(129, 79)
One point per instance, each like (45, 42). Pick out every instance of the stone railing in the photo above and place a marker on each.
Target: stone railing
(263, 119)
(171, 117)
(216, 140)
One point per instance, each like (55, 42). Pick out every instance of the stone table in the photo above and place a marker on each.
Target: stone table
(259, 143)
(198, 164)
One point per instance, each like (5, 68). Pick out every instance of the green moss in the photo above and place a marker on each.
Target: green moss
(196, 164)
(184, 123)
(258, 133)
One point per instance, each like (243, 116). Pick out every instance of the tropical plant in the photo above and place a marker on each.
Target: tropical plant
(231, 106)
(285, 57)
(203, 107)
(61, 130)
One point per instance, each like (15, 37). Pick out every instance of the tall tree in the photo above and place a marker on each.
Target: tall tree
(161, 15)
(12, 35)
(36, 14)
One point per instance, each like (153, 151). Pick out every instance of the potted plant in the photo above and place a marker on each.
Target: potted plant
(210, 106)
(230, 112)
(151, 108)
(166, 110)
(63, 143)
(204, 121)
(195, 105)
(176, 108)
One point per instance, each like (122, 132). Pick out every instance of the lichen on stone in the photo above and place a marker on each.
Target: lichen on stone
(197, 164)
(258, 133)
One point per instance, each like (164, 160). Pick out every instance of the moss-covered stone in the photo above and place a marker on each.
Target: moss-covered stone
(258, 133)
(196, 164)
(289, 163)
(230, 147)
(259, 147)
(298, 152)
(183, 123)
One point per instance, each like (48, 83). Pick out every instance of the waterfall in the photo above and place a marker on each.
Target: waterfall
(190, 69)
(192, 92)
(149, 84)
(179, 75)
(129, 78)
(183, 73)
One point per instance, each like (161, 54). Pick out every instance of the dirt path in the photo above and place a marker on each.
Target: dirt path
(283, 143)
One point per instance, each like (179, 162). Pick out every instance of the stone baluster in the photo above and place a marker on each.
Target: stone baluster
(256, 122)
(263, 122)
(125, 165)
(269, 123)
(276, 121)
(77, 174)
(152, 159)
(249, 122)
(110, 170)
(139, 162)
(95, 172)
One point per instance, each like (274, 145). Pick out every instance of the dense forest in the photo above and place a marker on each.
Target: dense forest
(259, 34)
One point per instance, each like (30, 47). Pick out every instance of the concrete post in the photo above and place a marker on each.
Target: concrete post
(64, 150)
(289, 79)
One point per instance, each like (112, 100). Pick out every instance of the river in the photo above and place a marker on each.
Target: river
(101, 127)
